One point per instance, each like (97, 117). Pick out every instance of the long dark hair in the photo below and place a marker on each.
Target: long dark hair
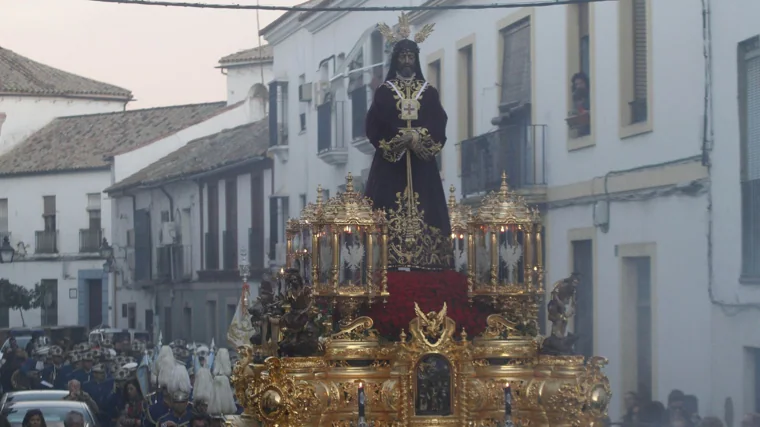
(125, 392)
(29, 414)
(401, 46)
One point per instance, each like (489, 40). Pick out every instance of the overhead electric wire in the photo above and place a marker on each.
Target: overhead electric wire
(513, 5)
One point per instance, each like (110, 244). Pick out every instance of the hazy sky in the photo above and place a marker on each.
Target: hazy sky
(164, 55)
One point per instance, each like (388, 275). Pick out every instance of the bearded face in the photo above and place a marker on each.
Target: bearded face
(406, 61)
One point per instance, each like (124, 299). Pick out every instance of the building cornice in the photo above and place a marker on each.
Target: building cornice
(423, 15)
(282, 31)
(322, 20)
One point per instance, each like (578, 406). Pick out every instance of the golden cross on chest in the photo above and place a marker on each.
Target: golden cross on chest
(410, 109)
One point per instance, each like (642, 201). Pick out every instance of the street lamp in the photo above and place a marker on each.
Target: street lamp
(6, 251)
(106, 251)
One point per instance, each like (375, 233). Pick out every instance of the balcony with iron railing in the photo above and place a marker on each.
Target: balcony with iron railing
(517, 150)
(331, 138)
(90, 240)
(46, 242)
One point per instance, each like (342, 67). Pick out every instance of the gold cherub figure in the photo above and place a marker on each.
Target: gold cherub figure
(404, 31)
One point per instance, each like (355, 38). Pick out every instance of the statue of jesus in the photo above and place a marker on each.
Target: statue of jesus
(407, 125)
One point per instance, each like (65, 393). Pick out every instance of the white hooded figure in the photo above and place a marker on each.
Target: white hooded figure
(203, 389)
(223, 401)
(164, 365)
(222, 363)
(179, 380)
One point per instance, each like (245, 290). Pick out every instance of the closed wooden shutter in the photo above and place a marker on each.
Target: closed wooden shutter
(48, 205)
(750, 176)
(640, 50)
(143, 247)
(516, 67)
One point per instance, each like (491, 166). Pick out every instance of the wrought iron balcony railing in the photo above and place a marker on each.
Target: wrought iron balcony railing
(517, 150)
(46, 242)
(90, 239)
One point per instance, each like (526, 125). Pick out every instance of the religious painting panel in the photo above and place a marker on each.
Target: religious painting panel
(433, 386)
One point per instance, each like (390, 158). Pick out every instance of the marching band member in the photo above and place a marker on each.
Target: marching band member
(223, 400)
(100, 388)
(203, 390)
(180, 411)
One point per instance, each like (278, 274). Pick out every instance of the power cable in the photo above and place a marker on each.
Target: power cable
(352, 8)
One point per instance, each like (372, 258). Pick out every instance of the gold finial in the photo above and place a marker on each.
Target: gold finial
(504, 190)
(452, 195)
(402, 335)
(350, 183)
(464, 335)
(319, 195)
(404, 31)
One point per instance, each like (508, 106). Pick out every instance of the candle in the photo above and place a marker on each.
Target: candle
(361, 401)
(508, 400)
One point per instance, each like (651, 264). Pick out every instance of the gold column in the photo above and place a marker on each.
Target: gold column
(494, 256)
(336, 261)
(539, 248)
(528, 255)
(384, 255)
(289, 250)
(470, 259)
(315, 257)
(370, 260)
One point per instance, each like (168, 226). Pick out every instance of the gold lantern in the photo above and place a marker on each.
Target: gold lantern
(299, 238)
(459, 215)
(505, 260)
(349, 252)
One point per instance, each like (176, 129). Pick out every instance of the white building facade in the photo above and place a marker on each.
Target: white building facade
(54, 216)
(642, 187)
(247, 71)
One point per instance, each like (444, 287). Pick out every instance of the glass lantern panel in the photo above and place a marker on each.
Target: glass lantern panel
(353, 265)
(377, 258)
(511, 266)
(325, 255)
(297, 242)
(459, 244)
(306, 238)
(483, 256)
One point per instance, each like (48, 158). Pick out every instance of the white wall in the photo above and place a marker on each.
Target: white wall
(25, 207)
(242, 78)
(133, 161)
(699, 347)
(25, 115)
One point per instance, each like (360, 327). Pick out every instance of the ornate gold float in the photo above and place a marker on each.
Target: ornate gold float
(433, 373)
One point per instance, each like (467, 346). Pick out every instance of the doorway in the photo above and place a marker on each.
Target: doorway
(583, 263)
(95, 295)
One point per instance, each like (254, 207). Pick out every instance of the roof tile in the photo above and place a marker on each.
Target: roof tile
(227, 147)
(82, 142)
(256, 54)
(21, 75)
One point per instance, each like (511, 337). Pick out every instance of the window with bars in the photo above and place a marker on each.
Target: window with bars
(749, 119)
(640, 73)
(516, 66)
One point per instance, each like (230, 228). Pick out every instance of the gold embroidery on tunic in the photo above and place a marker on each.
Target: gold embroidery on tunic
(414, 243)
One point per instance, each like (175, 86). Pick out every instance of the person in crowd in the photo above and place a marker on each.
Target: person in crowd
(179, 387)
(56, 372)
(73, 419)
(200, 420)
(711, 422)
(99, 388)
(84, 374)
(161, 402)
(223, 401)
(133, 409)
(76, 393)
(632, 408)
(33, 418)
(203, 391)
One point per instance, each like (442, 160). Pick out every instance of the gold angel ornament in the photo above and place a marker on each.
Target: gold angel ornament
(404, 31)
(432, 324)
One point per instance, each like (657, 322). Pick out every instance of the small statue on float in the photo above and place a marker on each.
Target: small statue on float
(561, 309)
(267, 306)
(300, 323)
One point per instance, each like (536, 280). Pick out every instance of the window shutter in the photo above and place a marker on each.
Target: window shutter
(640, 49)
(3, 217)
(753, 118)
(516, 67)
(93, 202)
(48, 205)
(273, 121)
